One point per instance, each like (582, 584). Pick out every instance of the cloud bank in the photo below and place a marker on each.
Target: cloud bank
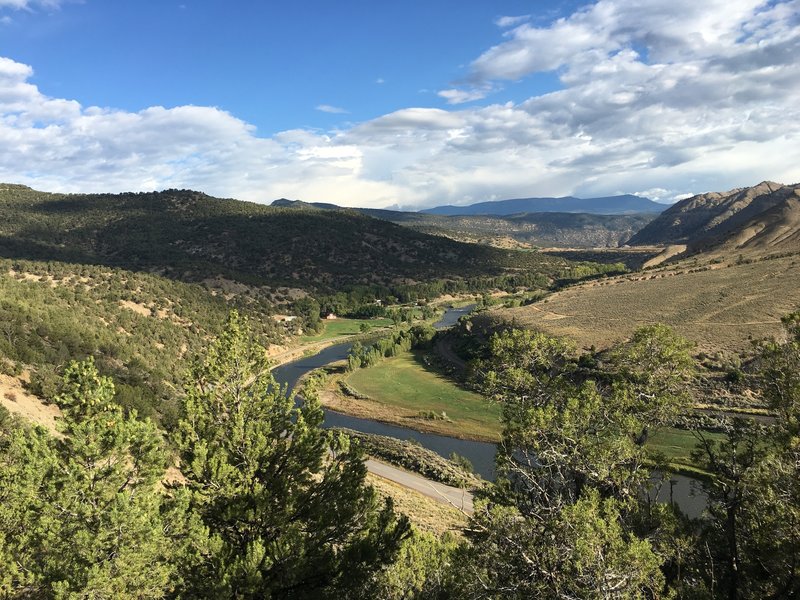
(669, 100)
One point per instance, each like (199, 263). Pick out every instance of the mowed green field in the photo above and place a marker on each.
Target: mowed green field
(404, 386)
(340, 327)
(401, 387)
(677, 445)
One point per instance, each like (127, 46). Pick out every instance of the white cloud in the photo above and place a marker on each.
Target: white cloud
(457, 96)
(509, 21)
(30, 4)
(651, 103)
(327, 108)
(380, 80)
(679, 30)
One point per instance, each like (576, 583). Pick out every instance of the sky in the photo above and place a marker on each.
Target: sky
(400, 104)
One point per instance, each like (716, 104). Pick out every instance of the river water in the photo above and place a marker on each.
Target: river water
(480, 454)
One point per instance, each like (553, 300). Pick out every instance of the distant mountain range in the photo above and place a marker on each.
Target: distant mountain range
(191, 236)
(609, 205)
(765, 216)
(610, 227)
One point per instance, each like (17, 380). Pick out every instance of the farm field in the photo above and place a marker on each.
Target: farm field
(402, 388)
(717, 305)
(341, 327)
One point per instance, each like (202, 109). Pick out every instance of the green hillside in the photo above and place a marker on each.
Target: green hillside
(191, 236)
(141, 328)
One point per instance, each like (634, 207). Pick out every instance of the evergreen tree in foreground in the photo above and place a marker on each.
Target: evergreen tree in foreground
(569, 516)
(80, 516)
(277, 507)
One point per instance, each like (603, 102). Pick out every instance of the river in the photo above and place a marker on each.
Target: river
(480, 454)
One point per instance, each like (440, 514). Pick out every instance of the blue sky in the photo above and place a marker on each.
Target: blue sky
(399, 104)
(269, 63)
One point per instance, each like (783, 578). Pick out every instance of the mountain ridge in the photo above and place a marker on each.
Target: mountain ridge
(607, 205)
(547, 229)
(189, 235)
(763, 216)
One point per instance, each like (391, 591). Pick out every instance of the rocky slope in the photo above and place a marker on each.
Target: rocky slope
(762, 217)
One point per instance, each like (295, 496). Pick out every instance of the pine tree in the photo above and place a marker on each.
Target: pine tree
(562, 520)
(88, 503)
(282, 506)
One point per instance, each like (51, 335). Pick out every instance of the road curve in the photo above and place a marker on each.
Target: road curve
(453, 496)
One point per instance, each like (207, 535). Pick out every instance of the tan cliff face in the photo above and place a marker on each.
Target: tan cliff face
(765, 216)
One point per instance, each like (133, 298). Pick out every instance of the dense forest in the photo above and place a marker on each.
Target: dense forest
(248, 497)
(190, 236)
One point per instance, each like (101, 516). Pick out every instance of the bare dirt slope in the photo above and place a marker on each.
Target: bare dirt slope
(774, 229)
(765, 216)
(17, 400)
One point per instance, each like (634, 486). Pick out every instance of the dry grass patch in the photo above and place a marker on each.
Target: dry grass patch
(426, 513)
(718, 306)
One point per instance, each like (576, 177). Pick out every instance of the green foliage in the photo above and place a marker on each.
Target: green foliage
(780, 375)
(81, 515)
(525, 366)
(422, 570)
(655, 366)
(283, 505)
(393, 344)
(307, 309)
(51, 313)
(564, 520)
(189, 235)
(463, 462)
(753, 532)
(408, 454)
(582, 551)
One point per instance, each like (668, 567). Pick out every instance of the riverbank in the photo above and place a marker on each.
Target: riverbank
(413, 457)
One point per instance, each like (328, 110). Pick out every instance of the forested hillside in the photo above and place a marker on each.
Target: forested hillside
(142, 329)
(190, 236)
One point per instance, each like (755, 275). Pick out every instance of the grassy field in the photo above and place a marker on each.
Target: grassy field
(341, 327)
(717, 305)
(677, 445)
(401, 388)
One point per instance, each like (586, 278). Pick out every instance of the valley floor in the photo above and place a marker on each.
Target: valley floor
(403, 391)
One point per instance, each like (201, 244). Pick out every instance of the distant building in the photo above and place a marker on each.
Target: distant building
(284, 318)
(330, 317)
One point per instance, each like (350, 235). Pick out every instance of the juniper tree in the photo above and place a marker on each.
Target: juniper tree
(81, 514)
(562, 521)
(282, 505)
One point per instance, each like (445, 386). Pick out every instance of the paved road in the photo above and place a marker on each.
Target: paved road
(456, 497)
